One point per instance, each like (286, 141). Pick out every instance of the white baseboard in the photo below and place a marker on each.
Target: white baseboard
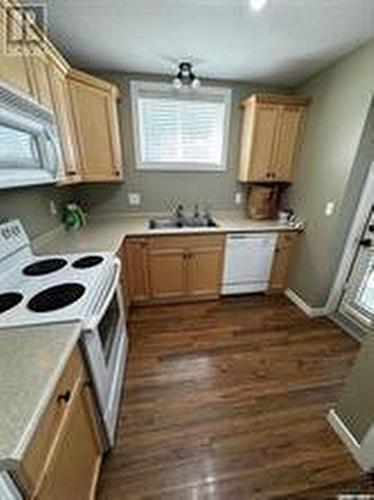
(312, 312)
(363, 453)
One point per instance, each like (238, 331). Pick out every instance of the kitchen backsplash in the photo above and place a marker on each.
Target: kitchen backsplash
(32, 206)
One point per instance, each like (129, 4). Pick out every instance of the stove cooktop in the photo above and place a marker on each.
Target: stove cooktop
(53, 288)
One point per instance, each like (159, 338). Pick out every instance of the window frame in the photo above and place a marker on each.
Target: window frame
(225, 92)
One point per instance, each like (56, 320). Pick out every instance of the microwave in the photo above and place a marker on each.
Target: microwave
(29, 144)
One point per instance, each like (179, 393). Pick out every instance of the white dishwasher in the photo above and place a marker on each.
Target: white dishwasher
(248, 262)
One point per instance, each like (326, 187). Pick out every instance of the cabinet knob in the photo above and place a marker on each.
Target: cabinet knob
(65, 397)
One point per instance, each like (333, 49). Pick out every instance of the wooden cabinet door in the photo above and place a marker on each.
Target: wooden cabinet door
(13, 65)
(167, 273)
(70, 169)
(282, 259)
(40, 79)
(74, 468)
(135, 270)
(13, 71)
(265, 122)
(205, 271)
(95, 114)
(285, 147)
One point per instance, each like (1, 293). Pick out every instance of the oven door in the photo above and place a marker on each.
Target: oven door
(105, 345)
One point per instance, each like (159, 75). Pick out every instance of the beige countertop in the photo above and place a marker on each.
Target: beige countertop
(31, 362)
(106, 232)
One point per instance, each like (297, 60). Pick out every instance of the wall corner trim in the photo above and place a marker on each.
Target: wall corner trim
(362, 453)
(311, 312)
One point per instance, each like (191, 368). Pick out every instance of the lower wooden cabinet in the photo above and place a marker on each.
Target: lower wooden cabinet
(167, 273)
(135, 270)
(64, 456)
(75, 465)
(173, 268)
(282, 259)
(205, 270)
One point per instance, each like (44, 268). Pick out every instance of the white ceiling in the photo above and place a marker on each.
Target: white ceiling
(283, 44)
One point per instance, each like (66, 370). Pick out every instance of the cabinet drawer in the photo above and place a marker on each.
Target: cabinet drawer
(41, 448)
(185, 241)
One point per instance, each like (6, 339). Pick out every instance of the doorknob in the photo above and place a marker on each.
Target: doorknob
(366, 243)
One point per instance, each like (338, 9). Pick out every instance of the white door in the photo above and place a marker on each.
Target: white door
(357, 303)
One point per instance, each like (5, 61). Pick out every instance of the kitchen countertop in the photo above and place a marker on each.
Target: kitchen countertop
(31, 362)
(106, 232)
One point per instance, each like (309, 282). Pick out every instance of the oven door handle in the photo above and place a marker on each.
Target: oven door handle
(96, 317)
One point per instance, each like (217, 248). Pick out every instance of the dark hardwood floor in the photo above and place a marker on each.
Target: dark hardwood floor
(228, 400)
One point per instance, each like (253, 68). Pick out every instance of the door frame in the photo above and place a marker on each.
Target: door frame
(364, 209)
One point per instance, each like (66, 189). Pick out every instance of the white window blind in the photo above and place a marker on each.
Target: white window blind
(180, 130)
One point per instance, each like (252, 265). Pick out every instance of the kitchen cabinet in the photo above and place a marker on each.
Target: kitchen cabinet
(173, 268)
(37, 64)
(94, 105)
(167, 273)
(205, 269)
(70, 171)
(270, 137)
(282, 258)
(135, 270)
(13, 65)
(64, 457)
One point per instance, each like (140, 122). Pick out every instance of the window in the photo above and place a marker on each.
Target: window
(180, 130)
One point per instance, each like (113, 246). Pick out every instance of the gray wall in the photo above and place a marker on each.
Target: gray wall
(356, 403)
(158, 189)
(31, 205)
(334, 160)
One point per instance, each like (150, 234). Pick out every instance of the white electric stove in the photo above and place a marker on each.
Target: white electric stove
(70, 287)
(52, 288)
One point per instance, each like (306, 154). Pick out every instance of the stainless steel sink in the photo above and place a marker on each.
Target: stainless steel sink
(180, 223)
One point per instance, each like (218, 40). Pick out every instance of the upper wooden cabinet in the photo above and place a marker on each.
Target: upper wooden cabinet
(94, 105)
(70, 171)
(270, 136)
(13, 64)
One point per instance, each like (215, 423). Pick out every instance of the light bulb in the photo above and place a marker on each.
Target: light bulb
(177, 83)
(257, 5)
(196, 83)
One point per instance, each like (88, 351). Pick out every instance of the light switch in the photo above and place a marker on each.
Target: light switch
(52, 207)
(329, 208)
(134, 199)
(238, 198)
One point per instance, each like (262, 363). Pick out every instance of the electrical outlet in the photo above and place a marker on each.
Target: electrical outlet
(329, 208)
(52, 207)
(238, 198)
(134, 199)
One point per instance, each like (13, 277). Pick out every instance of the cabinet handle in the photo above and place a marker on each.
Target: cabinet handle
(64, 398)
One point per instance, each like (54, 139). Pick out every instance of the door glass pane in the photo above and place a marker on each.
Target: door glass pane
(365, 296)
(358, 298)
(18, 149)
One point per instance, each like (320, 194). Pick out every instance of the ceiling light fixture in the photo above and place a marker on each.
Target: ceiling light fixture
(257, 5)
(186, 77)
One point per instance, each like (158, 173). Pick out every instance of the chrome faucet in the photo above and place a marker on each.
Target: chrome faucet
(179, 213)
